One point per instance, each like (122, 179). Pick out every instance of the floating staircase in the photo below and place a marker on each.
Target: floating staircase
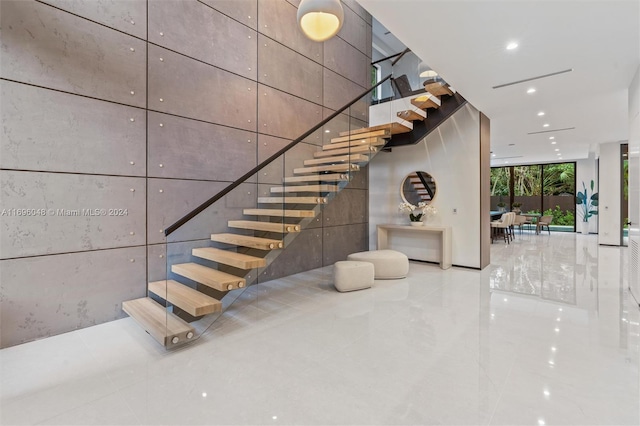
(300, 197)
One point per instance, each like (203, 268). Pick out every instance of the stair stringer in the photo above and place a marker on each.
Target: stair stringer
(421, 129)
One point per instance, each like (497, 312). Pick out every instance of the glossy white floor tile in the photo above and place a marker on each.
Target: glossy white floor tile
(547, 334)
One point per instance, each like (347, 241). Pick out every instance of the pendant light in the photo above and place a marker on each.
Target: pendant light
(320, 19)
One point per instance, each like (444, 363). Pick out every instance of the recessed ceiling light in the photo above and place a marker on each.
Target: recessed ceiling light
(531, 90)
(506, 162)
(552, 137)
(558, 153)
(327, 131)
(557, 149)
(493, 155)
(545, 125)
(512, 45)
(553, 143)
(541, 113)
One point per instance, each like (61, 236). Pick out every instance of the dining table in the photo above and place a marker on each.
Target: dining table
(533, 217)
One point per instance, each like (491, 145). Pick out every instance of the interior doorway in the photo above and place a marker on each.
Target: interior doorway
(624, 198)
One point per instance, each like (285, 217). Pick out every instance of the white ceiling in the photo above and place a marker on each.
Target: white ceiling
(465, 42)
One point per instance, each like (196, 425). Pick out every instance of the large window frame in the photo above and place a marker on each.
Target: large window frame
(511, 197)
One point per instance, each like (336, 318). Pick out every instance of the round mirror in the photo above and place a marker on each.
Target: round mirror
(418, 187)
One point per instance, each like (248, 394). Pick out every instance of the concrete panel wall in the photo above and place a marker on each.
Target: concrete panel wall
(60, 213)
(73, 134)
(47, 295)
(51, 48)
(80, 131)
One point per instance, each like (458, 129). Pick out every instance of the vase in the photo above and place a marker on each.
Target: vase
(584, 228)
(417, 223)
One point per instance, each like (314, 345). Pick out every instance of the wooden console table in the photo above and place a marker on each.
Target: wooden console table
(419, 231)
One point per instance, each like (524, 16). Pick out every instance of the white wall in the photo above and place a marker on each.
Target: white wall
(451, 154)
(634, 185)
(609, 222)
(586, 170)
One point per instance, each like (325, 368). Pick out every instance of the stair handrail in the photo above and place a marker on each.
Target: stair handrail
(186, 218)
(391, 57)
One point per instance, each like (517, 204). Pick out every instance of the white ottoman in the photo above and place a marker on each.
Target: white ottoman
(388, 264)
(349, 276)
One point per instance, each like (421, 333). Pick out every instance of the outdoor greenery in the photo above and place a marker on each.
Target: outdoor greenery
(558, 180)
(560, 217)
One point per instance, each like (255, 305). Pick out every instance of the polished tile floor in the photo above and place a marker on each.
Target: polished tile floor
(548, 334)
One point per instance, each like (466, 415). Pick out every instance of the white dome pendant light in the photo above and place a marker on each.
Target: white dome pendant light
(320, 19)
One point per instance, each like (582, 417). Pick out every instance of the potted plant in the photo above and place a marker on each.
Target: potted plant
(502, 206)
(416, 213)
(515, 207)
(587, 206)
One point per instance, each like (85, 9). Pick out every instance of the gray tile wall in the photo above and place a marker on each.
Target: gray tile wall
(120, 116)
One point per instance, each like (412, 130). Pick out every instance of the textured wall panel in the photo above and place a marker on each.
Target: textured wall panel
(48, 47)
(195, 29)
(190, 149)
(277, 20)
(350, 206)
(129, 16)
(286, 70)
(360, 180)
(341, 241)
(346, 60)
(353, 30)
(245, 11)
(182, 86)
(361, 11)
(53, 131)
(72, 230)
(340, 123)
(273, 172)
(338, 91)
(170, 199)
(162, 256)
(49, 295)
(283, 115)
(304, 253)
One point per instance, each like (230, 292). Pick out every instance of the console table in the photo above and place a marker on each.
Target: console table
(419, 232)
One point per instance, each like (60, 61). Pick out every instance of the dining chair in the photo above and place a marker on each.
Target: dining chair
(542, 222)
(520, 221)
(503, 224)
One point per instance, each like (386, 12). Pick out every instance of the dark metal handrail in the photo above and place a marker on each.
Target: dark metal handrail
(391, 57)
(260, 166)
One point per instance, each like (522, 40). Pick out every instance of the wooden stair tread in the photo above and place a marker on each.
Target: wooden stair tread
(361, 133)
(426, 101)
(354, 158)
(438, 89)
(155, 320)
(186, 298)
(231, 258)
(355, 142)
(411, 115)
(279, 212)
(348, 150)
(346, 167)
(264, 226)
(292, 200)
(325, 177)
(210, 277)
(248, 241)
(304, 188)
(393, 129)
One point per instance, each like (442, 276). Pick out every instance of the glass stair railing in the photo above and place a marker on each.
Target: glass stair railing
(215, 254)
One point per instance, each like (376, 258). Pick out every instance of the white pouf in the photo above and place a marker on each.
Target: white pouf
(388, 264)
(349, 276)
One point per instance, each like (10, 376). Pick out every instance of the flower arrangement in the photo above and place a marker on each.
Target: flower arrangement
(417, 212)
